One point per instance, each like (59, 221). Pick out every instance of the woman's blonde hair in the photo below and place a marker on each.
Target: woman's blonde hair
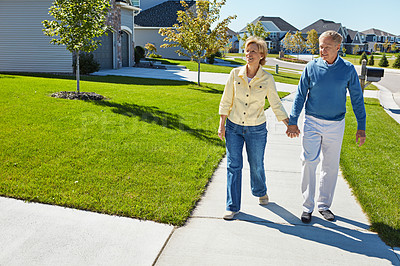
(262, 47)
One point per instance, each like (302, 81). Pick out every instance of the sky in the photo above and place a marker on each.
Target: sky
(353, 14)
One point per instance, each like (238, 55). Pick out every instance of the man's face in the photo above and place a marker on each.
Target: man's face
(328, 49)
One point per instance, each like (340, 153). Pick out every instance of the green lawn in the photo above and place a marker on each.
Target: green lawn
(289, 78)
(355, 59)
(373, 169)
(147, 152)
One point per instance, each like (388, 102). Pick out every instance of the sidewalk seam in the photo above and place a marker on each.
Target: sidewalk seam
(164, 246)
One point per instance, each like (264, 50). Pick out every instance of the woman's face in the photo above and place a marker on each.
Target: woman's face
(253, 56)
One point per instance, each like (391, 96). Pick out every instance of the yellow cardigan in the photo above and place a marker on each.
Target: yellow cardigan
(244, 102)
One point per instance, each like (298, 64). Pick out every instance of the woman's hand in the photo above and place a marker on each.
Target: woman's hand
(221, 132)
(221, 129)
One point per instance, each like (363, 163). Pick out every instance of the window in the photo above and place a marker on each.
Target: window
(136, 3)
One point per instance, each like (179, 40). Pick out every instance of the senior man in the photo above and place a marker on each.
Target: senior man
(322, 88)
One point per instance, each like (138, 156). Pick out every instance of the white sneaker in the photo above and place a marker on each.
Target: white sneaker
(264, 200)
(228, 215)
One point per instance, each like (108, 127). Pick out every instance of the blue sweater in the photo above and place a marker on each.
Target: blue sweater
(323, 90)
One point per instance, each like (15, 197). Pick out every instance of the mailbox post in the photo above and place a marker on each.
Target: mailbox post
(369, 74)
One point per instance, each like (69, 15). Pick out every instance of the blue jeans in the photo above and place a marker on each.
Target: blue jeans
(255, 138)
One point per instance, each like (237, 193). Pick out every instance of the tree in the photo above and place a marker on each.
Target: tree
(383, 62)
(76, 24)
(299, 43)
(393, 47)
(312, 42)
(396, 63)
(385, 45)
(356, 48)
(254, 30)
(371, 60)
(151, 49)
(376, 47)
(363, 56)
(193, 34)
(287, 42)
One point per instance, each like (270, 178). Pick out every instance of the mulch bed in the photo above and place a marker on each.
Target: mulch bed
(74, 95)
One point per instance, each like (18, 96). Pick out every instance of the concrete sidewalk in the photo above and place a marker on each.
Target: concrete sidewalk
(274, 234)
(38, 234)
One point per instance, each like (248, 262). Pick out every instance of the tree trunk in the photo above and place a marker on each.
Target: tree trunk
(77, 72)
(198, 73)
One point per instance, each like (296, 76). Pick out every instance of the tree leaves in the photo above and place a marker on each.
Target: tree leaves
(77, 23)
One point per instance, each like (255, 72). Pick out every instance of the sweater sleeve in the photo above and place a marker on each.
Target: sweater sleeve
(227, 97)
(357, 99)
(300, 98)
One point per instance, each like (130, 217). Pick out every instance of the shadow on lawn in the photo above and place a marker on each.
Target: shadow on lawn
(153, 115)
(106, 79)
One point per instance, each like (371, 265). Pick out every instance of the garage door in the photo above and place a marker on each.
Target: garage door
(104, 53)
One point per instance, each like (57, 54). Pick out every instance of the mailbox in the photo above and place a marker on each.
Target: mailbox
(374, 74)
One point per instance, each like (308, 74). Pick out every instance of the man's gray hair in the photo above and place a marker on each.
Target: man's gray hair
(336, 37)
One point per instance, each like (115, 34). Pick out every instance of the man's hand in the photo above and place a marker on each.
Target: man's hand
(360, 136)
(293, 131)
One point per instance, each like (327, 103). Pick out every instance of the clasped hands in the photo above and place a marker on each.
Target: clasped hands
(292, 131)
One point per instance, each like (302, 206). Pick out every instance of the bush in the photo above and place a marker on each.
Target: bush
(139, 54)
(363, 56)
(155, 56)
(383, 62)
(293, 60)
(218, 54)
(211, 59)
(371, 61)
(87, 64)
(396, 63)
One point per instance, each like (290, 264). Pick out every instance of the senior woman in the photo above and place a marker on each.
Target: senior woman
(243, 121)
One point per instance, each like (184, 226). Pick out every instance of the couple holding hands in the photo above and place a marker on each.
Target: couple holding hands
(321, 91)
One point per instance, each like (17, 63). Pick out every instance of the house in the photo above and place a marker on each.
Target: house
(151, 20)
(351, 38)
(379, 37)
(277, 29)
(24, 47)
(233, 41)
(354, 42)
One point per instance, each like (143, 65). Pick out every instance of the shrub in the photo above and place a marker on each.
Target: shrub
(363, 56)
(218, 54)
(371, 60)
(139, 54)
(155, 56)
(383, 62)
(211, 59)
(396, 63)
(87, 64)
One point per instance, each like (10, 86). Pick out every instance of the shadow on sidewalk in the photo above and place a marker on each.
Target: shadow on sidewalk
(327, 233)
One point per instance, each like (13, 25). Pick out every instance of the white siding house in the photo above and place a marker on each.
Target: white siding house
(23, 46)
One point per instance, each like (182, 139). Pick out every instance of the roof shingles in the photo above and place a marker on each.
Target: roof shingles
(162, 15)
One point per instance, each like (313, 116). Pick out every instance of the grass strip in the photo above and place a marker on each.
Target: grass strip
(373, 169)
